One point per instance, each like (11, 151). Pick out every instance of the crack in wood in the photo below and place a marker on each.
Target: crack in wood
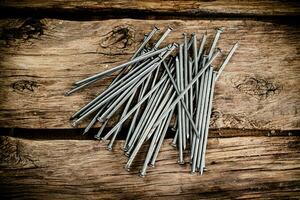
(30, 28)
(13, 154)
(24, 85)
(120, 37)
(258, 87)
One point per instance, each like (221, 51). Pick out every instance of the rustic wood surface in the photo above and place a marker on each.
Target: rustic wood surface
(218, 8)
(257, 96)
(40, 59)
(240, 167)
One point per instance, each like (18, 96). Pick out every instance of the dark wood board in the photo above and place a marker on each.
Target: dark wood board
(239, 167)
(40, 59)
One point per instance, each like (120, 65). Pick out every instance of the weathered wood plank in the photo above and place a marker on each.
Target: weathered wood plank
(40, 59)
(161, 8)
(240, 167)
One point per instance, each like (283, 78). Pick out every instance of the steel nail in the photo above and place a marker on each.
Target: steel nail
(179, 115)
(174, 141)
(235, 46)
(201, 48)
(214, 44)
(162, 38)
(152, 163)
(200, 116)
(202, 165)
(98, 135)
(146, 40)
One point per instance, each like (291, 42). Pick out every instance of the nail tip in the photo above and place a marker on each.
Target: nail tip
(180, 162)
(156, 28)
(109, 148)
(84, 132)
(74, 124)
(97, 137)
(127, 168)
(220, 29)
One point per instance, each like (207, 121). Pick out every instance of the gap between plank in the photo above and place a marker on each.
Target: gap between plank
(76, 134)
(85, 14)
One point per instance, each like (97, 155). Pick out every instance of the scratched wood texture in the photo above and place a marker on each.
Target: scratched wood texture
(216, 8)
(40, 59)
(237, 168)
(47, 45)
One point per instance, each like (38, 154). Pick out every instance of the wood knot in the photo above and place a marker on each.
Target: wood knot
(215, 115)
(120, 37)
(294, 144)
(258, 87)
(14, 154)
(24, 85)
(29, 28)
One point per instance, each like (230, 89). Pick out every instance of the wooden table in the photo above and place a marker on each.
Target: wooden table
(254, 144)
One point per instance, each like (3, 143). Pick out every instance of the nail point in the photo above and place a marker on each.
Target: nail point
(181, 162)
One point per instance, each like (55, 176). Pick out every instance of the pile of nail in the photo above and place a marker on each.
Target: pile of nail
(155, 86)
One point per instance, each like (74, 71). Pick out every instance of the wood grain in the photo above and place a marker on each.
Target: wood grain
(240, 167)
(40, 59)
(137, 9)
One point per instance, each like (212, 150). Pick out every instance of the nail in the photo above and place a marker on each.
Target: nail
(201, 115)
(98, 135)
(202, 165)
(191, 95)
(146, 40)
(206, 92)
(195, 64)
(181, 77)
(235, 46)
(190, 43)
(185, 73)
(199, 108)
(154, 157)
(162, 37)
(174, 141)
(214, 44)
(179, 115)
(93, 121)
(201, 48)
